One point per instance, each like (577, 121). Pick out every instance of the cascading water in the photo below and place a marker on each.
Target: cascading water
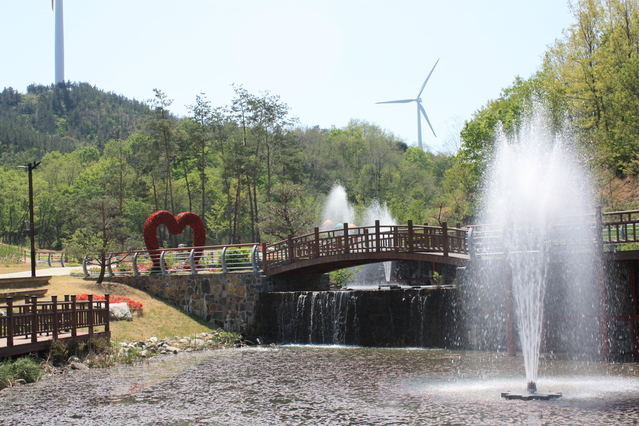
(537, 196)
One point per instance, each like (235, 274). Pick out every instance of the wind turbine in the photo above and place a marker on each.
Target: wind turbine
(59, 40)
(420, 109)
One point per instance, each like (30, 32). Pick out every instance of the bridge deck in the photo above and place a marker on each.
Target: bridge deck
(331, 263)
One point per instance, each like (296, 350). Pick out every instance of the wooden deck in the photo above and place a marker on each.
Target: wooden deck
(32, 326)
(24, 345)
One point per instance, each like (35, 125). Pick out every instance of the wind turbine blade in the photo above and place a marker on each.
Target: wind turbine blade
(401, 101)
(426, 81)
(421, 108)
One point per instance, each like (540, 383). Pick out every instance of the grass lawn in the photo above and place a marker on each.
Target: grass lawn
(159, 319)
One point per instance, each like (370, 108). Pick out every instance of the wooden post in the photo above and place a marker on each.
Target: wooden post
(34, 319)
(445, 238)
(10, 321)
(378, 244)
(346, 248)
(291, 251)
(74, 316)
(395, 234)
(316, 244)
(410, 236)
(54, 302)
(264, 259)
(90, 317)
(367, 240)
(427, 244)
(107, 314)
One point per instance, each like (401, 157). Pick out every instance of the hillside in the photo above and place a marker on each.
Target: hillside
(62, 118)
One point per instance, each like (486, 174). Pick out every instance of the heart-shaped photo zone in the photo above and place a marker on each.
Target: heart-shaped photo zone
(175, 225)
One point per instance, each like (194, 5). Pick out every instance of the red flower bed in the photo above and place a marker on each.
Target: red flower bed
(133, 305)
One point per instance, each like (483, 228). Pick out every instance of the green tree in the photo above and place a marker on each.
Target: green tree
(101, 232)
(160, 126)
(288, 213)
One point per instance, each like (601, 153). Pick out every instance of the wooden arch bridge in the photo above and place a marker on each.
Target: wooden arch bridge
(329, 250)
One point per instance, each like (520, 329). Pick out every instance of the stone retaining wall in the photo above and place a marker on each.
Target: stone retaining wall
(225, 300)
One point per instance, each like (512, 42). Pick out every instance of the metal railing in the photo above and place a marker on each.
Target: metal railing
(182, 260)
(50, 257)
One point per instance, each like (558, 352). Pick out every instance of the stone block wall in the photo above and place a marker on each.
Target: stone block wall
(226, 300)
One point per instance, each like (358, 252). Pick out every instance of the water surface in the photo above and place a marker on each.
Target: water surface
(327, 385)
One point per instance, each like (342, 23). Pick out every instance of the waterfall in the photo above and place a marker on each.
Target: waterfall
(423, 318)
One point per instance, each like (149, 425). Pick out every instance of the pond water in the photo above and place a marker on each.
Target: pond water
(329, 385)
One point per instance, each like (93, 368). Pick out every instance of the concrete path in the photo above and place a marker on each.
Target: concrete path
(41, 272)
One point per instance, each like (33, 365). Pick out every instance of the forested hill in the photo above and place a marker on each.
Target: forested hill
(62, 117)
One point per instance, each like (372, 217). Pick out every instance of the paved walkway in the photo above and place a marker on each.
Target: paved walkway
(41, 272)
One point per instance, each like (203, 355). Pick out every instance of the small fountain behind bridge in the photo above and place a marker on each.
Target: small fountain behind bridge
(337, 210)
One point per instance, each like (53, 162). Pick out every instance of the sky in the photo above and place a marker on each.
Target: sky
(330, 61)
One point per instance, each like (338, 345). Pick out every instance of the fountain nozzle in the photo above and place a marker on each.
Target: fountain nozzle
(531, 387)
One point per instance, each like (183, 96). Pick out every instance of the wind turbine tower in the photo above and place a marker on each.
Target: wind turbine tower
(59, 41)
(420, 109)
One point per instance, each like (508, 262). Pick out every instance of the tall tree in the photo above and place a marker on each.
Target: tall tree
(201, 134)
(161, 127)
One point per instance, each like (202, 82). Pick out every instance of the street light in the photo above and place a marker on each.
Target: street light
(30, 167)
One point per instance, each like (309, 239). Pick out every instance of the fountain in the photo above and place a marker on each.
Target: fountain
(379, 211)
(338, 210)
(537, 200)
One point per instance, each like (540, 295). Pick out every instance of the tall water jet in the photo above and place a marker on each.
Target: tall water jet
(537, 201)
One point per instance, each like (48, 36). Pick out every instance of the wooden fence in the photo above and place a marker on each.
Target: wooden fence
(31, 326)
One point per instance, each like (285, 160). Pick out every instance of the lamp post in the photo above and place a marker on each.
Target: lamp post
(30, 167)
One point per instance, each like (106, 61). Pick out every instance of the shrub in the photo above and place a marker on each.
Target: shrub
(26, 369)
(338, 278)
(59, 351)
(238, 257)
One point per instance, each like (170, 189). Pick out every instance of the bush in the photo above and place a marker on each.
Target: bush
(24, 369)
(238, 257)
(338, 278)
(59, 351)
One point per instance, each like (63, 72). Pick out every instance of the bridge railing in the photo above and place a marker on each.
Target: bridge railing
(582, 232)
(620, 227)
(181, 260)
(366, 239)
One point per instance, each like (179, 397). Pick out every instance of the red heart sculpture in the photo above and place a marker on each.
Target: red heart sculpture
(175, 225)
